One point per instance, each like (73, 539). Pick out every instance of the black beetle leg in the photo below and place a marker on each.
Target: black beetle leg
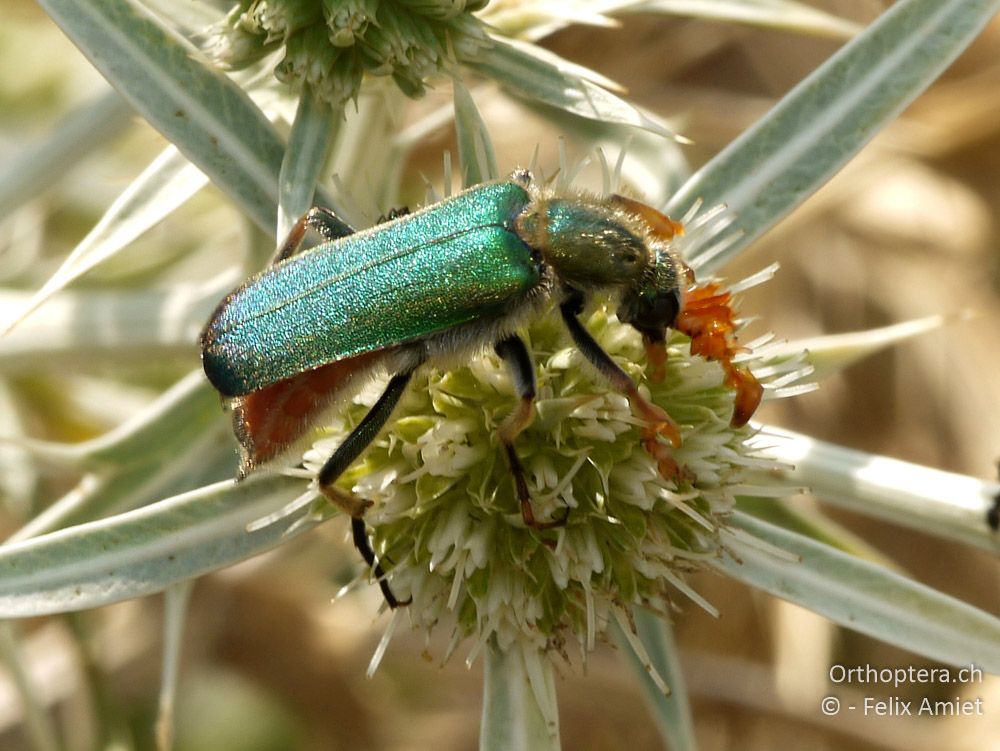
(359, 439)
(522, 370)
(393, 214)
(359, 534)
(659, 422)
(324, 221)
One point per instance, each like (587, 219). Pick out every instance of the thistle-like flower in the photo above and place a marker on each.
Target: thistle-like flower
(446, 522)
(332, 45)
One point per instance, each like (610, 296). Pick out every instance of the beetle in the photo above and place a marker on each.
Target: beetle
(438, 286)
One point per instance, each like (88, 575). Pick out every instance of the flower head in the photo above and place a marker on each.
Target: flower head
(446, 521)
(331, 45)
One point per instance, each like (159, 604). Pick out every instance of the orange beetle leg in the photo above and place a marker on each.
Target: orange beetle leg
(656, 358)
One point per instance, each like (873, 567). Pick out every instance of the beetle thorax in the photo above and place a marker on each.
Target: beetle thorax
(587, 243)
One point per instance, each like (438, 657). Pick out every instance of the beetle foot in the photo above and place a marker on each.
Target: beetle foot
(668, 467)
(364, 547)
(524, 496)
(528, 515)
(659, 423)
(352, 505)
(659, 426)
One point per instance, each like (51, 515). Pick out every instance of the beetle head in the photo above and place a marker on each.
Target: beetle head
(651, 306)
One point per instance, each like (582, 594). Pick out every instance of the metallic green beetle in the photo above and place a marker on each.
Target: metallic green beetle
(438, 286)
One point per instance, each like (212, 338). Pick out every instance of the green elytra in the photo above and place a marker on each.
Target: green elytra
(452, 263)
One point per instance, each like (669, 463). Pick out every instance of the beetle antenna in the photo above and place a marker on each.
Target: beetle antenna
(549, 181)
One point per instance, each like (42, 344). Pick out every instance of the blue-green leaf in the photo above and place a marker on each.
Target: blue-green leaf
(829, 116)
(939, 503)
(475, 149)
(45, 162)
(861, 596)
(145, 551)
(163, 186)
(313, 132)
(207, 116)
(531, 72)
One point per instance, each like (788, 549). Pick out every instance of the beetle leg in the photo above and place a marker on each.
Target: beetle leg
(324, 221)
(659, 422)
(328, 224)
(360, 536)
(394, 213)
(522, 371)
(352, 447)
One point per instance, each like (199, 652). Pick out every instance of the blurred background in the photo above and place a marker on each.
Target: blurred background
(908, 229)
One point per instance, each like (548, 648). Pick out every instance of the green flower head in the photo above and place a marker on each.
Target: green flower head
(331, 44)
